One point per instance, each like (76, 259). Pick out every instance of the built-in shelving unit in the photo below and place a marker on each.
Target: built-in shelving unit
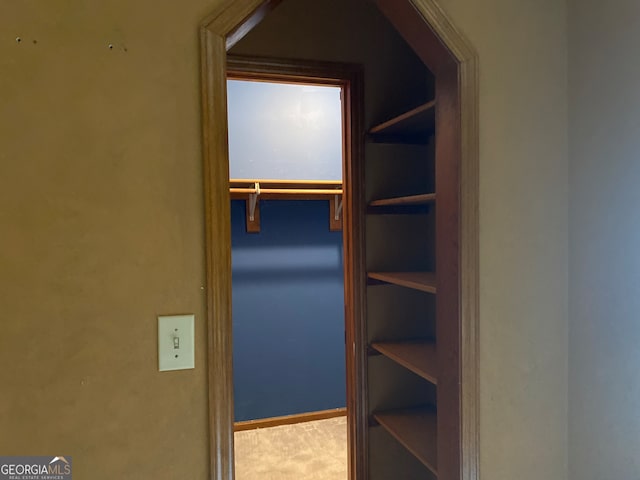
(414, 428)
(417, 430)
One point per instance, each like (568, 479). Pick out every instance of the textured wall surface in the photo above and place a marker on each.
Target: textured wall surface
(101, 212)
(523, 234)
(604, 378)
(101, 219)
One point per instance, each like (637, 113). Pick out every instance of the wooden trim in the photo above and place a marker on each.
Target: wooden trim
(468, 154)
(251, 21)
(408, 18)
(469, 264)
(218, 255)
(457, 59)
(245, 67)
(353, 220)
(448, 274)
(230, 17)
(289, 419)
(354, 209)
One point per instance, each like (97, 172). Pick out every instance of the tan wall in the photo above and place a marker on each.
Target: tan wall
(523, 234)
(101, 212)
(604, 386)
(101, 215)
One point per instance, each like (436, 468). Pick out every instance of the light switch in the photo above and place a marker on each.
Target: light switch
(176, 342)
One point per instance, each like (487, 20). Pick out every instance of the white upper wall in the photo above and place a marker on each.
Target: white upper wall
(604, 375)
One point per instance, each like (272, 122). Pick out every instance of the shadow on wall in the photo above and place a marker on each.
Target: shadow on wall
(288, 311)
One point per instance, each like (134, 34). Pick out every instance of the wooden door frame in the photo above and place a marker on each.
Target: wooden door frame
(453, 61)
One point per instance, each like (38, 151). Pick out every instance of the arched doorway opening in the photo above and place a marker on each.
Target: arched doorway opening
(453, 63)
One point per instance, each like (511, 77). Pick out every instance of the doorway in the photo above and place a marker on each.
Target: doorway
(428, 31)
(291, 164)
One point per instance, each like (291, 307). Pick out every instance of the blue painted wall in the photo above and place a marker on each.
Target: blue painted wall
(288, 311)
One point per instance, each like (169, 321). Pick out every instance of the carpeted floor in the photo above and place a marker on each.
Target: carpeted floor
(305, 451)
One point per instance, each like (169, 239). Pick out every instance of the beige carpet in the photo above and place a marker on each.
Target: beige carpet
(304, 451)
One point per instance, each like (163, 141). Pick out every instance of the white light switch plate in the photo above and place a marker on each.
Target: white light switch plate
(176, 342)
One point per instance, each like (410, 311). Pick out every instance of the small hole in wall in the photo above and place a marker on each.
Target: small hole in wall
(176, 356)
(18, 39)
(35, 41)
(110, 46)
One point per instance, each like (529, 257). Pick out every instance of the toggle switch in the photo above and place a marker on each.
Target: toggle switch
(176, 342)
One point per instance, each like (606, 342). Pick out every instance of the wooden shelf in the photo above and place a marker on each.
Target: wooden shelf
(423, 281)
(410, 200)
(419, 356)
(414, 126)
(416, 430)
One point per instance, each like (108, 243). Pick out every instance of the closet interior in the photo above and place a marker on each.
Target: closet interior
(285, 162)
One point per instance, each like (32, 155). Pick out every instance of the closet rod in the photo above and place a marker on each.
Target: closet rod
(288, 191)
(336, 183)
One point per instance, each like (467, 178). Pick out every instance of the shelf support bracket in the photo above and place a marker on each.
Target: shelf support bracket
(253, 200)
(253, 210)
(335, 209)
(338, 207)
